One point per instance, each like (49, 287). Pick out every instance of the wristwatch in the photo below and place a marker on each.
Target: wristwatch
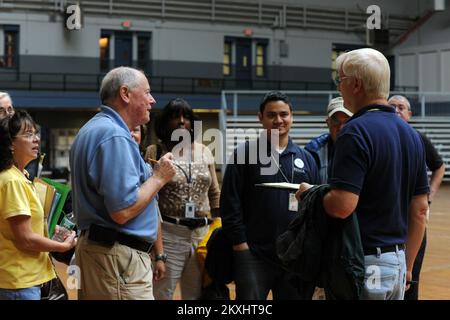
(161, 257)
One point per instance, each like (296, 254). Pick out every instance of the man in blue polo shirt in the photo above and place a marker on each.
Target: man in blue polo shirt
(378, 171)
(253, 217)
(114, 192)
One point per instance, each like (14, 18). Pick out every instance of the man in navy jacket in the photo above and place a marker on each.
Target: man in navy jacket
(253, 217)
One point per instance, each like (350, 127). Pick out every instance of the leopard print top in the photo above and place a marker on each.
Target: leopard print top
(203, 190)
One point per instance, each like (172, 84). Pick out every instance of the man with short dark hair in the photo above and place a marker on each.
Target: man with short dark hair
(437, 168)
(253, 217)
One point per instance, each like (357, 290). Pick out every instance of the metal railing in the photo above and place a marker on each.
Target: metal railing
(13, 80)
(431, 112)
(314, 102)
(305, 128)
(196, 85)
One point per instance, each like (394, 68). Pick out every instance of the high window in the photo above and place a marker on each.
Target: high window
(260, 60)
(227, 58)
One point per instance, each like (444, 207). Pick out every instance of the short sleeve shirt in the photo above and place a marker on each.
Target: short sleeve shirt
(381, 158)
(433, 158)
(21, 269)
(107, 171)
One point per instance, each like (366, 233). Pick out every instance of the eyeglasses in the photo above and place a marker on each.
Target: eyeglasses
(338, 81)
(9, 111)
(30, 135)
(336, 122)
(400, 107)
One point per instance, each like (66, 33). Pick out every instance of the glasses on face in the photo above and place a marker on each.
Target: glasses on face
(338, 80)
(400, 107)
(335, 122)
(30, 135)
(8, 111)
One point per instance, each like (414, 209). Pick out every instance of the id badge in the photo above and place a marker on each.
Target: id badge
(189, 211)
(293, 202)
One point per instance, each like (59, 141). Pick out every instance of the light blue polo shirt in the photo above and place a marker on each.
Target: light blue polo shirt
(107, 171)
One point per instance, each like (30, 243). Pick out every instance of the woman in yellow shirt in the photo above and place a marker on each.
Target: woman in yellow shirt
(24, 260)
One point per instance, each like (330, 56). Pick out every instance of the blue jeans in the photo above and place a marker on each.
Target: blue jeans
(385, 276)
(33, 293)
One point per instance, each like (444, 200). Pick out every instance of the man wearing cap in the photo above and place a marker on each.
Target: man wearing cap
(322, 147)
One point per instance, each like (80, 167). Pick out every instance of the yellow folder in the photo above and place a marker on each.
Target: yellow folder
(46, 194)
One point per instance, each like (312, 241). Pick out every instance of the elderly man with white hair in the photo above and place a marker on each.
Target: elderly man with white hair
(378, 171)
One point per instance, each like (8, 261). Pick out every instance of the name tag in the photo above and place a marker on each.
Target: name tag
(293, 202)
(189, 211)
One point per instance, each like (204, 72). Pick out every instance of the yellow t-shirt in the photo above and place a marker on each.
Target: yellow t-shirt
(21, 269)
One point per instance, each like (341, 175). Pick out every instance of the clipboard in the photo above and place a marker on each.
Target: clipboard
(279, 185)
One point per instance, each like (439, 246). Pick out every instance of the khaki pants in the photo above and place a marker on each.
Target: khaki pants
(183, 266)
(113, 273)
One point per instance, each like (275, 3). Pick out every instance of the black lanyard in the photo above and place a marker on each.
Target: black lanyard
(282, 173)
(188, 178)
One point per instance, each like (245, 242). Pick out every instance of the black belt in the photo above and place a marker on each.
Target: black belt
(191, 223)
(380, 250)
(108, 237)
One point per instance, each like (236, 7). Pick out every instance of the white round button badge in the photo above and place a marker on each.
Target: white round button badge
(299, 163)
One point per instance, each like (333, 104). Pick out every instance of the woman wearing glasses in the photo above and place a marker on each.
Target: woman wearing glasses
(24, 260)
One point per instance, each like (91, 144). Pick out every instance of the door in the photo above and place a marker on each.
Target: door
(123, 49)
(244, 63)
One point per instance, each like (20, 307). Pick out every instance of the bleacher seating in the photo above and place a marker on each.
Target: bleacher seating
(437, 130)
(305, 128)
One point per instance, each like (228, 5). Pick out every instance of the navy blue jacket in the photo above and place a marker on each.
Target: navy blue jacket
(259, 215)
(323, 251)
(321, 148)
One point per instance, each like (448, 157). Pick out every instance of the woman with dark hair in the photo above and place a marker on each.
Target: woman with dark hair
(186, 203)
(139, 134)
(24, 260)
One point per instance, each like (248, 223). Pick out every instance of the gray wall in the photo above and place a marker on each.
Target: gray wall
(193, 49)
(423, 60)
(59, 64)
(177, 49)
